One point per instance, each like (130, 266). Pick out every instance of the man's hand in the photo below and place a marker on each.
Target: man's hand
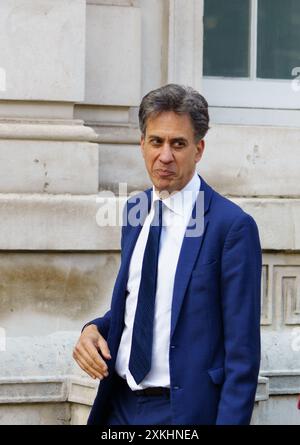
(86, 352)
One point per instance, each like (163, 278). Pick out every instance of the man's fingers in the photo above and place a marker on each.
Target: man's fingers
(87, 355)
(84, 368)
(104, 348)
(92, 357)
(87, 368)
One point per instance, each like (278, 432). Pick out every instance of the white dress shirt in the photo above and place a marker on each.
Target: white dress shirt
(176, 214)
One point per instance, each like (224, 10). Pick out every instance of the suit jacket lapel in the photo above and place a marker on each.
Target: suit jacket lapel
(188, 254)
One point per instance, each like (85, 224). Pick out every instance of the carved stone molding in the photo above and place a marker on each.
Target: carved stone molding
(289, 287)
(46, 130)
(280, 290)
(266, 301)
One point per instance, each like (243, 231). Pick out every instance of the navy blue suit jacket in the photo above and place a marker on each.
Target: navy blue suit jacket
(214, 352)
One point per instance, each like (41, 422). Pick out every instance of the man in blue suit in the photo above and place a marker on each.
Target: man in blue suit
(180, 344)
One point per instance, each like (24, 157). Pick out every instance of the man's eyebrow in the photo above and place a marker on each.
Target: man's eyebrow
(151, 136)
(177, 138)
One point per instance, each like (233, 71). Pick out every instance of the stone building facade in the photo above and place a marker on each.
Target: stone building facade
(72, 74)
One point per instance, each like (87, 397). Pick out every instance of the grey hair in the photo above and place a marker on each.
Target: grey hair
(179, 99)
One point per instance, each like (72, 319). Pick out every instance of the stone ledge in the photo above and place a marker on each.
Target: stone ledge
(68, 222)
(81, 391)
(262, 392)
(47, 389)
(283, 382)
(73, 389)
(37, 389)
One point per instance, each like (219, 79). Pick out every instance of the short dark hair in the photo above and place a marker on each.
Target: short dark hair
(179, 99)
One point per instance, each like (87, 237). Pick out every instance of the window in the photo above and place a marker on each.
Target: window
(278, 38)
(250, 50)
(226, 38)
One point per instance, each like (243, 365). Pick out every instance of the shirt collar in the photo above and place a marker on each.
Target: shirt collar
(182, 201)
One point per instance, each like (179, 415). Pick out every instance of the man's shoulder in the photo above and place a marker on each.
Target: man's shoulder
(227, 211)
(221, 202)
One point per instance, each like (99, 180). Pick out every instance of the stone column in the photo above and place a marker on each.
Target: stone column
(67, 68)
(186, 42)
(48, 184)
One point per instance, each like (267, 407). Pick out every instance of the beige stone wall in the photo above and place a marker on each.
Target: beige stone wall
(68, 130)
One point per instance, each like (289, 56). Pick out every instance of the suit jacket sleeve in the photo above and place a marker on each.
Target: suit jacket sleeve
(240, 293)
(102, 324)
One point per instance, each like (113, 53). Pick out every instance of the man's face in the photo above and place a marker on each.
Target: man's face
(170, 151)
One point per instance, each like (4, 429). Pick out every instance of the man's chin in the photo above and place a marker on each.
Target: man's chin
(164, 185)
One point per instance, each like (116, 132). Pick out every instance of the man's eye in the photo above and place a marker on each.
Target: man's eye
(178, 144)
(155, 141)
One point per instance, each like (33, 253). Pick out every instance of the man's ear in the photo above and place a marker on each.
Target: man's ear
(200, 149)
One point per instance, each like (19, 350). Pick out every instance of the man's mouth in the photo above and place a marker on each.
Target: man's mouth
(165, 173)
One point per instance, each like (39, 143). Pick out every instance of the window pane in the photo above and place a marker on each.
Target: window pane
(278, 38)
(226, 38)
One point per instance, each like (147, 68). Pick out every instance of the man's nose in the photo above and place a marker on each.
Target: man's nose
(166, 154)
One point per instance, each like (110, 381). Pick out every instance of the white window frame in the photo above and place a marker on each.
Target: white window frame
(232, 100)
(251, 92)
